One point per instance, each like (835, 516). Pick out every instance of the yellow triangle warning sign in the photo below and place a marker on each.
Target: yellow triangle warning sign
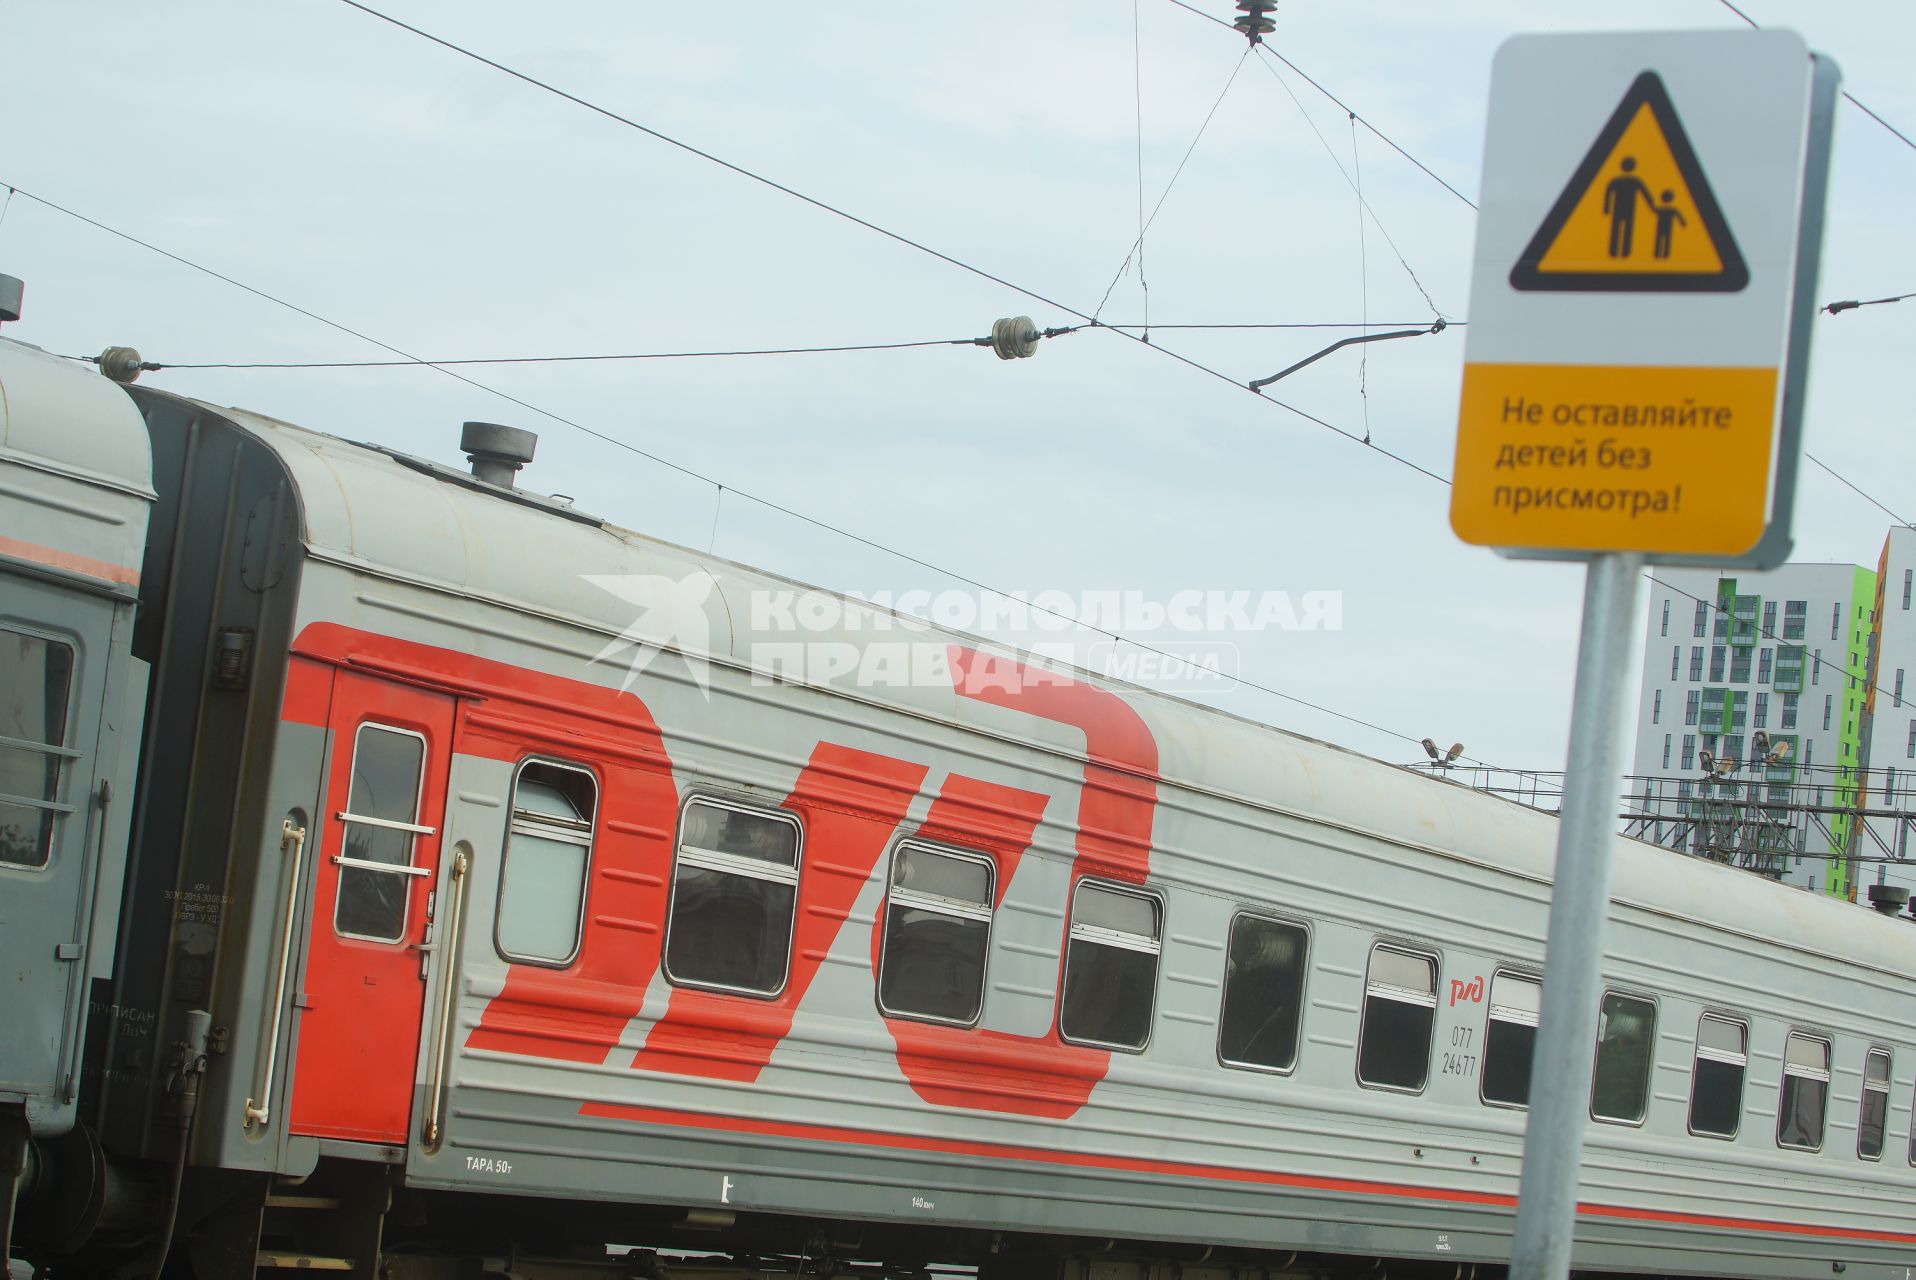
(1638, 216)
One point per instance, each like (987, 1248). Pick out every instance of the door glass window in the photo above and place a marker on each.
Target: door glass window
(1510, 1038)
(36, 678)
(381, 822)
(734, 893)
(548, 848)
(1263, 994)
(1620, 1082)
(1806, 1087)
(1716, 1080)
(1110, 968)
(937, 935)
(1400, 1010)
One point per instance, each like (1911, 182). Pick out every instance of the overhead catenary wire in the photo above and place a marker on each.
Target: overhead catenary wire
(1853, 487)
(835, 211)
(1381, 136)
(1904, 138)
(1137, 246)
(1363, 204)
(758, 500)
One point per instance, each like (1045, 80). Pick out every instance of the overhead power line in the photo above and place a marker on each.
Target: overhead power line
(1852, 487)
(1853, 100)
(907, 241)
(1836, 308)
(1381, 136)
(721, 488)
(156, 365)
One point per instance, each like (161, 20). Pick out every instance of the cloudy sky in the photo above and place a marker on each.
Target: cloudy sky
(328, 158)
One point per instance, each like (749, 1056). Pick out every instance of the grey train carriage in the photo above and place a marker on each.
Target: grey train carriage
(501, 885)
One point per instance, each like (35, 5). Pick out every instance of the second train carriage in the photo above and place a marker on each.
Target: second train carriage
(526, 894)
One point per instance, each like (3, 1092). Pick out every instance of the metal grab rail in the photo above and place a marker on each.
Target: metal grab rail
(259, 1106)
(447, 944)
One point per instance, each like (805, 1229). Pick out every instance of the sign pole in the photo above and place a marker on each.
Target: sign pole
(1579, 907)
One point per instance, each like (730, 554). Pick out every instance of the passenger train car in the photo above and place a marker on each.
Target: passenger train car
(455, 884)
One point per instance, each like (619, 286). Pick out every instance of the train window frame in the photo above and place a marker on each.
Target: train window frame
(1782, 1088)
(1097, 935)
(987, 912)
(1532, 1020)
(711, 860)
(1396, 994)
(513, 828)
(1862, 1102)
(1699, 1053)
(1649, 1058)
(1302, 994)
(60, 757)
(413, 830)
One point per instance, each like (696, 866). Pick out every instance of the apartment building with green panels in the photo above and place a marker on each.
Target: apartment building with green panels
(1728, 656)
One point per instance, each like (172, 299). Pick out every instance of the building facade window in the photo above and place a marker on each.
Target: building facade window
(1763, 667)
(1769, 619)
(1702, 618)
(1696, 662)
(1666, 618)
(1829, 704)
(1761, 717)
(1899, 687)
(1692, 701)
(1836, 622)
(1656, 707)
(1795, 618)
(1740, 666)
(1789, 711)
(1910, 752)
(1689, 751)
(1719, 660)
(1816, 667)
(1676, 659)
(1907, 575)
(1666, 751)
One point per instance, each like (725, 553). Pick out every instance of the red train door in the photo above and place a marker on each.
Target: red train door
(378, 863)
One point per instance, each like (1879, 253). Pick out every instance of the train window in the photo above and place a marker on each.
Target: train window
(548, 849)
(937, 935)
(734, 896)
(381, 822)
(1263, 993)
(1400, 1011)
(1716, 1077)
(1620, 1081)
(36, 678)
(1873, 1119)
(1806, 1086)
(1110, 967)
(1510, 1037)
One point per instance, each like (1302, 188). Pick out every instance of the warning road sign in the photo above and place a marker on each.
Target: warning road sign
(1638, 214)
(1642, 294)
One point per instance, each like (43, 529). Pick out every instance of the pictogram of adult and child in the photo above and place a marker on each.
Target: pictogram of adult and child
(1620, 198)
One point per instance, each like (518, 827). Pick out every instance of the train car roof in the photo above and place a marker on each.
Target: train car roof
(79, 456)
(385, 513)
